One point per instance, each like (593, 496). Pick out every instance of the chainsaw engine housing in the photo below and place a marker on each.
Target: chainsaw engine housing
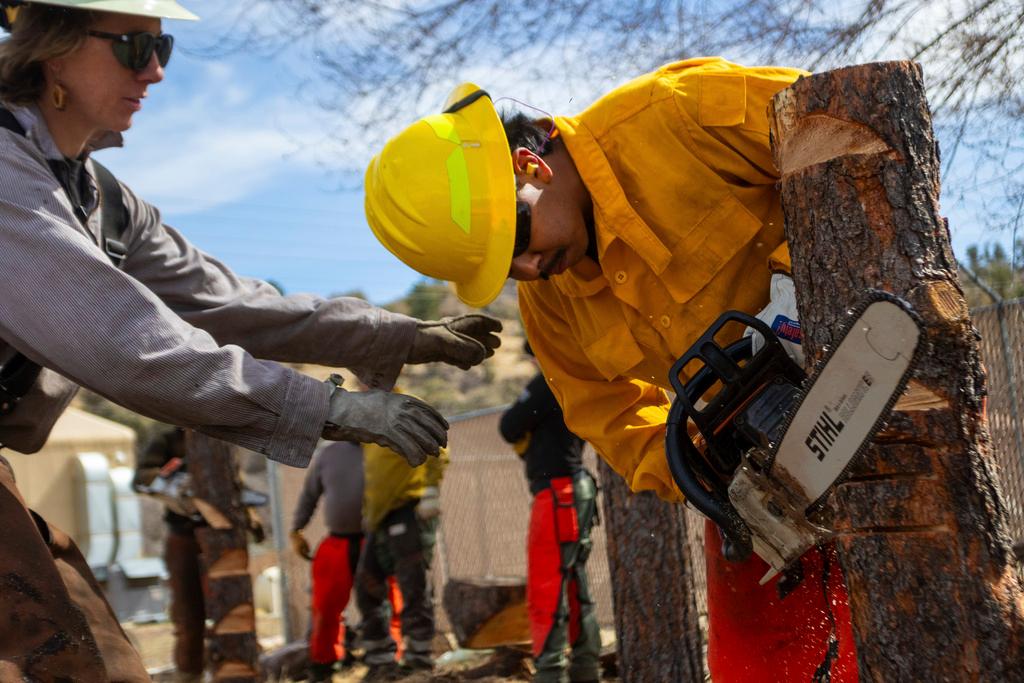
(737, 400)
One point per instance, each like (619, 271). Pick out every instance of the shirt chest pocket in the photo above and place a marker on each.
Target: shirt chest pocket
(605, 336)
(698, 257)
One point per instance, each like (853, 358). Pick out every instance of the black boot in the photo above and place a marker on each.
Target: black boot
(319, 673)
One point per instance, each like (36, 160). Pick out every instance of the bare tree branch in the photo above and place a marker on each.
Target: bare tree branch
(378, 61)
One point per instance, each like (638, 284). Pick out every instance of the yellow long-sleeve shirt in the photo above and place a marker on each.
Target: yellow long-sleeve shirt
(687, 221)
(391, 482)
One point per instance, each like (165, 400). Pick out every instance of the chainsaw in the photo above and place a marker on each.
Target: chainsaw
(771, 443)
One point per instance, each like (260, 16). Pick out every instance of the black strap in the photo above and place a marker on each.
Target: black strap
(17, 376)
(466, 101)
(8, 121)
(18, 373)
(114, 215)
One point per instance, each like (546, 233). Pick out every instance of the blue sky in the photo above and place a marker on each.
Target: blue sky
(230, 149)
(222, 149)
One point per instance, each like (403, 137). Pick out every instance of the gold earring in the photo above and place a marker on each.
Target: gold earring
(60, 97)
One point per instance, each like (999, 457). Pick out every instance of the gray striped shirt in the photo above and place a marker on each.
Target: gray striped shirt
(174, 334)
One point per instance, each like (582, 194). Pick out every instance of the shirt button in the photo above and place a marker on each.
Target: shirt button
(621, 277)
(666, 321)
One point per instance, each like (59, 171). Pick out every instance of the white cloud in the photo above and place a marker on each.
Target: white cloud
(206, 168)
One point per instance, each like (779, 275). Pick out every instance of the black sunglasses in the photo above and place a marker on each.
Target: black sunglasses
(134, 50)
(523, 224)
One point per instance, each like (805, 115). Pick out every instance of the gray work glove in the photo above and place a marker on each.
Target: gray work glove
(462, 341)
(402, 423)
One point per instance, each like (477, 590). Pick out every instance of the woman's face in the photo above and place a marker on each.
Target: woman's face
(103, 94)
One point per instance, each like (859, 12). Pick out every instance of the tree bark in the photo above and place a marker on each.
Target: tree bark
(657, 623)
(232, 648)
(921, 524)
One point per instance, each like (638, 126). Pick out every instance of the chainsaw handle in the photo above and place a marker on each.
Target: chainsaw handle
(705, 378)
(737, 545)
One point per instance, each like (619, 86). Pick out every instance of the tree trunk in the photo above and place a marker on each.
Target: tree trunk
(921, 525)
(657, 624)
(231, 645)
(487, 611)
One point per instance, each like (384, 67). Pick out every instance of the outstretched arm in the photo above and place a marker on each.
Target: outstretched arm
(66, 307)
(336, 332)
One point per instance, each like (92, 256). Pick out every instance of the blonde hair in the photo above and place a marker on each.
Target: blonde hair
(41, 33)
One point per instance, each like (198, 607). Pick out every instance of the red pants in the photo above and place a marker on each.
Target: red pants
(334, 566)
(558, 600)
(755, 637)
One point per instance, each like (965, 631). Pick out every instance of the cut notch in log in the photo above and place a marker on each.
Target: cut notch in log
(233, 562)
(510, 626)
(818, 138)
(241, 619)
(487, 610)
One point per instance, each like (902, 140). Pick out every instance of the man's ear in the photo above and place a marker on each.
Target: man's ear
(529, 164)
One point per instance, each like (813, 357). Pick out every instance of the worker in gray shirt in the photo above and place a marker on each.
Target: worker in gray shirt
(95, 290)
(336, 477)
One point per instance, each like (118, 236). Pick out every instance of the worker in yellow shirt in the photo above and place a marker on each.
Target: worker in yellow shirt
(631, 227)
(401, 509)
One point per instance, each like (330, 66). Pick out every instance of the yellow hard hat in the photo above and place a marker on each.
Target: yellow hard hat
(441, 196)
(161, 9)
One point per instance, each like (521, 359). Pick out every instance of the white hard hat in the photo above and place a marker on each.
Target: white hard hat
(161, 9)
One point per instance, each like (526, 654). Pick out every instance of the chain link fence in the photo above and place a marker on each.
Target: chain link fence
(1001, 327)
(486, 509)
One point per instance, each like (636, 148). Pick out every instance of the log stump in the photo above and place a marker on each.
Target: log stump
(487, 612)
(657, 625)
(232, 648)
(921, 524)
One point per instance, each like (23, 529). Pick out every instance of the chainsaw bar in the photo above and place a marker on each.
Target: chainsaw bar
(840, 408)
(847, 399)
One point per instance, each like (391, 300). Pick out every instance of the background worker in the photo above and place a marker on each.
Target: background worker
(400, 514)
(558, 544)
(336, 475)
(99, 292)
(630, 227)
(162, 473)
